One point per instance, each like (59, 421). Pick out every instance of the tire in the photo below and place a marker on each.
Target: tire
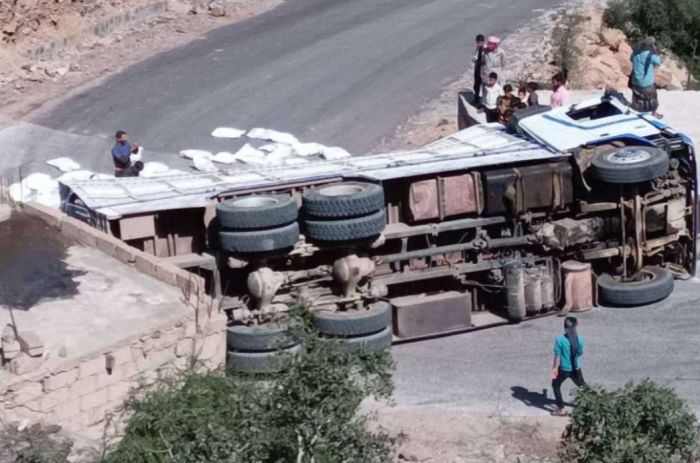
(657, 286)
(260, 362)
(354, 322)
(257, 212)
(259, 338)
(520, 114)
(343, 200)
(631, 164)
(346, 230)
(260, 240)
(371, 343)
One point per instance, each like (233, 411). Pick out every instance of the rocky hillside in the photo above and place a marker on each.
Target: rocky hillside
(606, 59)
(603, 55)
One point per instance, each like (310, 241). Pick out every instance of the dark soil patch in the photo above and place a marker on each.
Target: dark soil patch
(32, 263)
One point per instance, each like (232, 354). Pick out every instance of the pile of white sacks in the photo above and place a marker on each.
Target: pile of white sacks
(275, 149)
(284, 149)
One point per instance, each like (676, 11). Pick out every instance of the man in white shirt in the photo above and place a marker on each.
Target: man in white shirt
(489, 100)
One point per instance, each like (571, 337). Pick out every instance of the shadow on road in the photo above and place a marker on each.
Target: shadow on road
(535, 399)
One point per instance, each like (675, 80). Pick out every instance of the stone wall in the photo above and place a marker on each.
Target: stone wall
(39, 29)
(81, 394)
(42, 27)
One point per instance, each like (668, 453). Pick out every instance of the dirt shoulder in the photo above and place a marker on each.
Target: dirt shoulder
(28, 85)
(438, 433)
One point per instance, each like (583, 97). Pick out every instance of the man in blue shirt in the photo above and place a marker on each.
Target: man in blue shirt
(645, 59)
(121, 156)
(568, 352)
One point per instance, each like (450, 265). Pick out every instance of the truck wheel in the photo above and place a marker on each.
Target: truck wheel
(650, 284)
(354, 322)
(259, 338)
(256, 212)
(346, 230)
(261, 362)
(342, 200)
(631, 164)
(260, 240)
(371, 343)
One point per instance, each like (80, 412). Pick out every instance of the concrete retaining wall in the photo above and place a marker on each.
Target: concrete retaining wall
(137, 15)
(82, 394)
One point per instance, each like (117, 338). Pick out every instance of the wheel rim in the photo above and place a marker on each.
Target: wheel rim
(629, 155)
(255, 201)
(640, 277)
(341, 190)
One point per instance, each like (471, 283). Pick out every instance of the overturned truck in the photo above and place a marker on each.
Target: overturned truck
(469, 231)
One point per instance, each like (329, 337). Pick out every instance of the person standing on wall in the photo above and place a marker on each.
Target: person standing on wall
(568, 353)
(492, 61)
(489, 100)
(478, 63)
(532, 98)
(560, 94)
(645, 59)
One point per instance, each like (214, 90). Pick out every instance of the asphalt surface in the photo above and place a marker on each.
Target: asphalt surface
(333, 71)
(507, 368)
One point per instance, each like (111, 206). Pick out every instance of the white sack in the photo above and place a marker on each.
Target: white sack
(63, 164)
(250, 155)
(334, 153)
(76, 175)
(204, 164)
(192, 154)
(227, 132)
(134, 157)
(153, 169)
(224, 157)
(308, 149)
(272, 135)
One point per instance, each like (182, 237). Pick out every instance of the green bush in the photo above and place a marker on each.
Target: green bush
(674, 23)
(642, 423)
(566, 53)
(306, 413)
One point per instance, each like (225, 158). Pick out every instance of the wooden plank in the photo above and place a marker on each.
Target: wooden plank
(143, 226)
(192, 260)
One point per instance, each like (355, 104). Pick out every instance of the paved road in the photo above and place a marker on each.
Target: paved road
(660, 342)
(334, 71)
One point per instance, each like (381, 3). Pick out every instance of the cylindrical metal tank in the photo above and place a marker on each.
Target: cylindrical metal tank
(515, 291)
(547, 281)
(533, 290)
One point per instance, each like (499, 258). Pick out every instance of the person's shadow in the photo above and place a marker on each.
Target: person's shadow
(535, 399)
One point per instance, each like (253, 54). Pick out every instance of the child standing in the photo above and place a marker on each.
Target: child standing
(489, 100)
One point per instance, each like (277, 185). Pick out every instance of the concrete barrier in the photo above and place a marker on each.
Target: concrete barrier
(47, 50)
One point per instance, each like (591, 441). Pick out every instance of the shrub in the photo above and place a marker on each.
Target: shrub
(566, 52)
(35, 444)
(674, 23)
(306, 413)
(642, 423)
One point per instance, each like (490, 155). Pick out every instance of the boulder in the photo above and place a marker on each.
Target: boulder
(5, 212)
(23, 363)
(613, 38)
(10, 350)
(218, 9)
(624, 63)
(30, 343)
(8, 334)
(625, 49)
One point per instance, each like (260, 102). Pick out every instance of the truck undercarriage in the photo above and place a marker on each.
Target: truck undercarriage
(469, 231)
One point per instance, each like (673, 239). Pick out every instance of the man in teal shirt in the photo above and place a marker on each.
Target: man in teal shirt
(645, 59)
(568, 353)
